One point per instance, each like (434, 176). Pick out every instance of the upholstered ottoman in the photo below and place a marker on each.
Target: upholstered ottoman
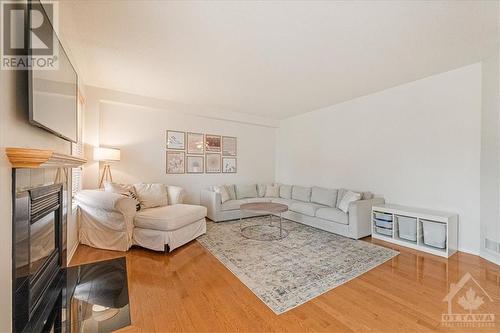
(172, 226)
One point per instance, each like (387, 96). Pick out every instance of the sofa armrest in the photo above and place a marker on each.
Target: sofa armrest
(108, 201)
(360, 216)
(212, 201)
(175, 195)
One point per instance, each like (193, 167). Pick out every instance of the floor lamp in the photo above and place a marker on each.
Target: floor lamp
(106, 155)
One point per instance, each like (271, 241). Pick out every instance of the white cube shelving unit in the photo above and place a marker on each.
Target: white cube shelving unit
(448, 220)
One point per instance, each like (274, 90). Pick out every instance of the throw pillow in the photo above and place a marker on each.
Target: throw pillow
(224, 195)
(261, 190)
(348, 197)
(125, 190)
(246, 191)
(286, 191)
(152, 195)
(272, 191)
(340, 195)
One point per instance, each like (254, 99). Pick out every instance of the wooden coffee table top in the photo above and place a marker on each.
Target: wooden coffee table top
(267, 207)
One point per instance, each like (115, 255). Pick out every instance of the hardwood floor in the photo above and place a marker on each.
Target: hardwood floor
(190, 290)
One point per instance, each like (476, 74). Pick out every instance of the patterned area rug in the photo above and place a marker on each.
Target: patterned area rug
(289, 272)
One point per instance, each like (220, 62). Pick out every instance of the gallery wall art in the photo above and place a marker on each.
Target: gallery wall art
(213, 163)
(213, 143)
(176, 140)
(175, 162)
(196, 153)
(228, 146)
(229, 165)
(195, 164)
(195, 143)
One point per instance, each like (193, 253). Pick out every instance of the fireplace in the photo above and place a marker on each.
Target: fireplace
(39, 221)
(45, 240)
(39, 216)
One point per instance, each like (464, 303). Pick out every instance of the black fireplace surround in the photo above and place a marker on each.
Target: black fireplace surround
(38, 254)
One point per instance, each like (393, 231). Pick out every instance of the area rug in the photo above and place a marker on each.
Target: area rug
(289, 272)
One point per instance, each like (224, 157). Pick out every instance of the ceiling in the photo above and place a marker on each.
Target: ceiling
(273, 59)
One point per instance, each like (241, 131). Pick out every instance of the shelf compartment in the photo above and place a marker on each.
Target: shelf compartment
(383, 216)
(406, 228)
(383, 223)
(446, 221)
(434, 234)
(384, 231)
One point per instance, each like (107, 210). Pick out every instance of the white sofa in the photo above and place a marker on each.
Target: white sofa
(110, 221)
(314, 206)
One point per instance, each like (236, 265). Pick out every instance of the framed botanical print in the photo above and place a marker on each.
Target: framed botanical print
(175, 162)
(194, 164)
(228, 146)
(176, 140)
(195, 143)
(212, 163)
(229, 164)
(213, 143)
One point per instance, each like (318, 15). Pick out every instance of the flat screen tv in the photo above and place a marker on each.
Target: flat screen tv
(53, 93)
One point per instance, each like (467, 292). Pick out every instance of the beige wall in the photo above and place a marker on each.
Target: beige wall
(417, 144)
(139, 131)
(137, 126)
(15, 131)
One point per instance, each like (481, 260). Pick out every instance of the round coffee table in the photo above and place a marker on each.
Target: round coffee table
(263, 231)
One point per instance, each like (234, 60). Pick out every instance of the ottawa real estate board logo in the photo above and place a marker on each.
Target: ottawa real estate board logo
(465, 300)
(28, 39)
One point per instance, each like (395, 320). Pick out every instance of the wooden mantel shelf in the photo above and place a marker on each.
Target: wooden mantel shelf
(37, 158)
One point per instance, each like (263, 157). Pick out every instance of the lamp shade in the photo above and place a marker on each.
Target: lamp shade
(106, 154)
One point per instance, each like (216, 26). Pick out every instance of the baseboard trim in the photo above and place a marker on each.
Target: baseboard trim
(490, 257)
(72, 252)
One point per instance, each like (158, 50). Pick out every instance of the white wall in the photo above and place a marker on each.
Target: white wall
(139, 131)
(15, 131)
(416, 144)
(490, 159)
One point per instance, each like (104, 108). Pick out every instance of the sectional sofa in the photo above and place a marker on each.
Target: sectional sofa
(314, 206)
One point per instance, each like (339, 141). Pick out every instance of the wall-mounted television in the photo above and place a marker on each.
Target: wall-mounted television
(53, 93)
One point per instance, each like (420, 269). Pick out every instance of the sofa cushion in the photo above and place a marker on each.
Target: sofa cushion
(175, 194)
(246, 191)
(301, 193)
(232, 192)
(272, 191)
(305, 208)
(286, 191)
(287, 202)
(224, 194)
(151, 195)
(332, 214)
(261, 190)
(169, 218)
(348, 197)
(324, 196)
(233, 204)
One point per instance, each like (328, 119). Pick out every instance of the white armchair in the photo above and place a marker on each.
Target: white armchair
(110, 221)
(106, 219)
